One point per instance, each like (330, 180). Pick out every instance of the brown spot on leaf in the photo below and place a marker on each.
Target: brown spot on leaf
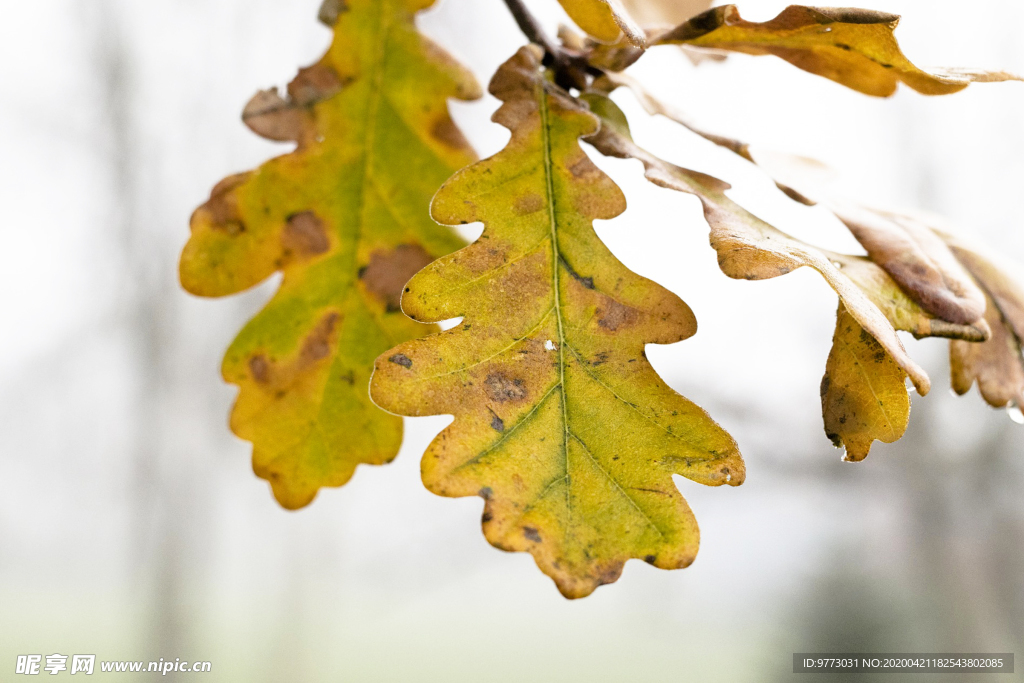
(228, 184)
(584, 168)
(270, 116)
(485, 493)
(304, 235)
(610, 574)
(260, 368)
(448, 134)
(527, 204)
(221, 210)
(500, 388)
(316, 347)
(314, 84)
(650, 559)
(318, 344)
(531, 534)
(388, 271)
(497, 424)
(401, 359)
(330, 10)
(614, 315)
(480, 257)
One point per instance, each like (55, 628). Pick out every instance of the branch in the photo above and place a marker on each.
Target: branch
(570, 69)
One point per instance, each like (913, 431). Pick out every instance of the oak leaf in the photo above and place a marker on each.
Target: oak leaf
(863, 393)
(561, 424)
(344, 218)
(997, 364)
(854, 47)
(606, 20)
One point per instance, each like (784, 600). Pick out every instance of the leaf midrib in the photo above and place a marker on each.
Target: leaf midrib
(556, 289)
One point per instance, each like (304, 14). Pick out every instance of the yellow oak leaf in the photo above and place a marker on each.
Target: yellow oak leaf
(345, 219)
(863, 393)
(561, 424)
(606, 20)
(854, 47)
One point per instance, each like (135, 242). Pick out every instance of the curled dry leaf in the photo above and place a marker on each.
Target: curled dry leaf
(749, 248)
(609, 82)
(910, 252)
(606, 20)
(344, 218)
(561, 424)
(997, 364)
(854, 47)
(918, 260)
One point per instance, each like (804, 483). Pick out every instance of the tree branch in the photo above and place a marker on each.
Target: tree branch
(570, 69)
(530, 27)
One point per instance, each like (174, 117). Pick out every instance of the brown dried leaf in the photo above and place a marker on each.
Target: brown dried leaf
(918, 260)
(997, 364)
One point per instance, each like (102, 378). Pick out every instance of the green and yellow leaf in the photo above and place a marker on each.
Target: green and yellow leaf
(561, 424)
(854, 47)
(345, 219)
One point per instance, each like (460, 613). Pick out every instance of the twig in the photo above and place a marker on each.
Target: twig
(570, 69)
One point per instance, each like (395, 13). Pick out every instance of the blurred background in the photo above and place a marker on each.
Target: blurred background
(132, 527)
